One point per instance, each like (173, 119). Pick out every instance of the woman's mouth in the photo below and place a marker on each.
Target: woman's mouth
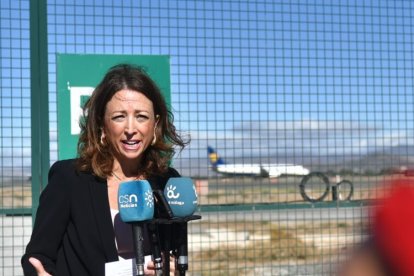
(131, 144)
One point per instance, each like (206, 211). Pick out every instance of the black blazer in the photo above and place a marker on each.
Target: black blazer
(73, 232)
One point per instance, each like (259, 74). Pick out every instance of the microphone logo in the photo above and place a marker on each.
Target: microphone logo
(131, 200)
(128, 201)
(149, 198)
(171, 192)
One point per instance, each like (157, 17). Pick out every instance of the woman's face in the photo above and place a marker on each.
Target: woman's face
(129, 124)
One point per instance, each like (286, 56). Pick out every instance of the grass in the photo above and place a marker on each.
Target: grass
(15, 197)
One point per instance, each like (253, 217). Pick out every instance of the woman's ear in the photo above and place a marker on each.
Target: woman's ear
(154, 140)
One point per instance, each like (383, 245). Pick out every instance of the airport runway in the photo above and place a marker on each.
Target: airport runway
(286, 215)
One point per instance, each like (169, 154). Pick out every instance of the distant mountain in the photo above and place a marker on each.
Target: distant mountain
(404, 150)
(381, 160)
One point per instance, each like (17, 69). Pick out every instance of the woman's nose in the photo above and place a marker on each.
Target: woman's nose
(130, 126)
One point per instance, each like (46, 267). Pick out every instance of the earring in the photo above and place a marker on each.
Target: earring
(154, 140)
(155, 136)
(102, 140)
(155, 130)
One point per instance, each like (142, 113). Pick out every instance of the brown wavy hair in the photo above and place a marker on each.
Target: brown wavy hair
(97, 157)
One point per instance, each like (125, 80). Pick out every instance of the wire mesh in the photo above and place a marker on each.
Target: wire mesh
(326, 85)
(15, 162)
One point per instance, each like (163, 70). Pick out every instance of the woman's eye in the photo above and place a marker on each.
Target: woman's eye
(118, 118)
(142, 118)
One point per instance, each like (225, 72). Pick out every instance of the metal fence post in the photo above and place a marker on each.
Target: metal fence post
(39, 98)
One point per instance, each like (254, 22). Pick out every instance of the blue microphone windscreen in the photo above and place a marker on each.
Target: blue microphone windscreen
(135, 201)
(181, 196)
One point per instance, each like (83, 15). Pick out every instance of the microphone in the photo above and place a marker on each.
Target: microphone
(136, 205)
(182, 198)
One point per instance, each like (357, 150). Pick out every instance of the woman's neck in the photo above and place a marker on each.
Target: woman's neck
(126, 171)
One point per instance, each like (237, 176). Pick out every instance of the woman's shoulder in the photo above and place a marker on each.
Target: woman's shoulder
(64, 164)
(67, 167)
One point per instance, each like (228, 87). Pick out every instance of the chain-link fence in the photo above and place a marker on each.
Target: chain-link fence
(269, 91)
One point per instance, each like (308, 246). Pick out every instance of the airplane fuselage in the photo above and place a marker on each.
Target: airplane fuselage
(265, 170)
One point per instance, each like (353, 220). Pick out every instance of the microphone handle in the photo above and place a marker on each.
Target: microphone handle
(156, 249)
(164, 203)
(138, 235)
(182, 249)
(167, 247)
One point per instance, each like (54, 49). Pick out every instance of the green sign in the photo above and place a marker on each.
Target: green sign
(77, 76)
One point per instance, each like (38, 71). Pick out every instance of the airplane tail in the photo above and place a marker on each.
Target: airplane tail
(215, 159)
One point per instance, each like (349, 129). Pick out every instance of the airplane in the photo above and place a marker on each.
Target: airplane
(261, 170)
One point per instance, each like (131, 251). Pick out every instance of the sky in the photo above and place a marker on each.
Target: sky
(252, 78)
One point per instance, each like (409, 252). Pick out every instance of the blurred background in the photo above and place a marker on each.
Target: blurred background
(268, 91)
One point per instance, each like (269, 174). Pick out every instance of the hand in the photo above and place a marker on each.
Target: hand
(150, 269)
(39, 267)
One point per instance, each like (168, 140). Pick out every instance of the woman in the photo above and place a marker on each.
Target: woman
(127, 134)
